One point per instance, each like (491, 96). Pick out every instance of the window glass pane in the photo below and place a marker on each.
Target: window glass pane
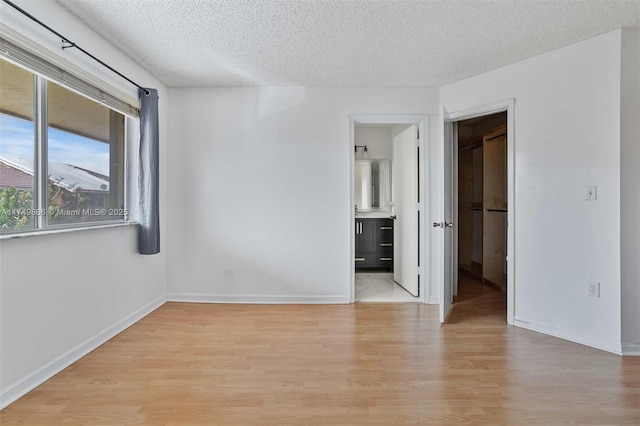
(16, 148)
(85, 159)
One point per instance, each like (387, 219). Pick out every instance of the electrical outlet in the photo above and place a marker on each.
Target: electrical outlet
(591, 193)
(593, 289)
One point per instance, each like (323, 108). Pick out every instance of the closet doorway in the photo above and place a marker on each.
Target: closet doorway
(480, 191)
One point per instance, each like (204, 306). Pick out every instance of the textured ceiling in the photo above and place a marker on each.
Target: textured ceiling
(340, 43)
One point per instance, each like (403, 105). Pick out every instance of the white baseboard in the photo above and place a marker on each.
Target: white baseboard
(255, 299)
(434, 300)
(631, 350)
(44, 373)
(565, 335)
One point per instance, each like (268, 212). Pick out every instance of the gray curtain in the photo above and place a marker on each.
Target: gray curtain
(148, 174)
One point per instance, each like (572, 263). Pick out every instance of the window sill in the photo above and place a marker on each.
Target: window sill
(53, 231)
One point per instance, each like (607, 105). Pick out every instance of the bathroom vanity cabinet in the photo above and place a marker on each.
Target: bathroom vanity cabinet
(374, 243)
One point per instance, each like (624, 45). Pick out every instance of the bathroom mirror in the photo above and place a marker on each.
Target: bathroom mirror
(372, 182)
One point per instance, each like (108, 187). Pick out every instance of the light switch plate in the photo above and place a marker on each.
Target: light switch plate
(591, 193)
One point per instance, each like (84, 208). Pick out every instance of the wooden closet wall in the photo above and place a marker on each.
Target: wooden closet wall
(482, 203)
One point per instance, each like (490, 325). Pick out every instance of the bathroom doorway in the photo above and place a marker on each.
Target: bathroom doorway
(386, 185)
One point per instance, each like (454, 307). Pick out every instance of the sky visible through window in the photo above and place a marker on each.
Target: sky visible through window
(16, 140)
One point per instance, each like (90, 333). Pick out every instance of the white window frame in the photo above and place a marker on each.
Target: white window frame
(34, 59)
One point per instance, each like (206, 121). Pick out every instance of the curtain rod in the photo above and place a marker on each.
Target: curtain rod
(69, 44)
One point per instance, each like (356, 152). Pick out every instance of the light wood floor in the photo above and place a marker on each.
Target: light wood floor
(361, 364)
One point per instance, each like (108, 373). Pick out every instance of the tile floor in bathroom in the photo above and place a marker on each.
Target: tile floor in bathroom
(380, 287)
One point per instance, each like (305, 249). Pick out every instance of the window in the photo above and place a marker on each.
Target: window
(17, 132)
(61, 155)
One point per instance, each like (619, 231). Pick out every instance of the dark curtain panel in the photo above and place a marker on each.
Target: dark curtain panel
(148, 174)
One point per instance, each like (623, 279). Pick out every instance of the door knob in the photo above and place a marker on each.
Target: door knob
(392, 217)
(438, 224)
(448, 225)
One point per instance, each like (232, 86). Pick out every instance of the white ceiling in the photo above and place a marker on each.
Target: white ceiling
(340, 43)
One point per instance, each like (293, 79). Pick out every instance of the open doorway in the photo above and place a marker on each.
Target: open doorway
(480, 192)
(386, 183)
(446, 232)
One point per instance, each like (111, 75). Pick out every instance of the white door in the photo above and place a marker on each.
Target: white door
(454, 210)
(405, 208)
(446, 242)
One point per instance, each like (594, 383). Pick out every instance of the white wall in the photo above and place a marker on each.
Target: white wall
(377, 140)
(567, 135)
(263, 211)
(629, 181)
(62, 294)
